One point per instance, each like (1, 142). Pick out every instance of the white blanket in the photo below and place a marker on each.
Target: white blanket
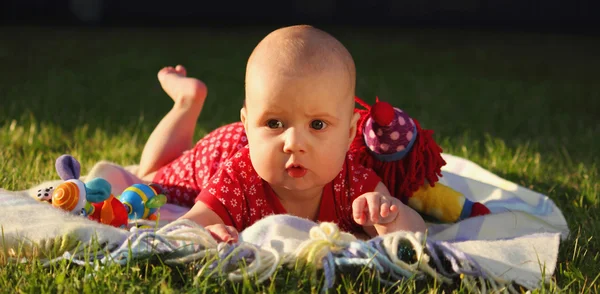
(518, 242)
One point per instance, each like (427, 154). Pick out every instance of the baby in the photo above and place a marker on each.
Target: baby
(289, 153)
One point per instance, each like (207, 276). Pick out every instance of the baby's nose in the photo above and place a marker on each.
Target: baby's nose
(295, 141)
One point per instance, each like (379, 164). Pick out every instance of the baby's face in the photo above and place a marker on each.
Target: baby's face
(299, 128)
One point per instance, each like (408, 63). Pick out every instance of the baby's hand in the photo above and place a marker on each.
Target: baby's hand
(223, 233)
(374, 208)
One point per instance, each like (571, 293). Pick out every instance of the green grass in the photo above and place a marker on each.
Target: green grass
(524, 106)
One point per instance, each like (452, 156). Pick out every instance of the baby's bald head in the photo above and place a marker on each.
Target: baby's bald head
(300, 51)
(299, 103)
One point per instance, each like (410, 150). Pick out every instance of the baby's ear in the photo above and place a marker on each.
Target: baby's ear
(353, 127)
(243, 114)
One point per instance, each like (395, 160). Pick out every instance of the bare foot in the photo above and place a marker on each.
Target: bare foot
(186, 92)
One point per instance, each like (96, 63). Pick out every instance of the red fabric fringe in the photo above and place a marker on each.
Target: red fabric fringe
(405, 176)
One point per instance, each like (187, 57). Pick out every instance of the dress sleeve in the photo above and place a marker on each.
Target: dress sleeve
(223, 195)
(353, 181)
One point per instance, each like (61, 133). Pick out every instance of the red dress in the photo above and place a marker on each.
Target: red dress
(218, 172)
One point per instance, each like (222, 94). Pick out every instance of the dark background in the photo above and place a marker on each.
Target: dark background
(540, 15)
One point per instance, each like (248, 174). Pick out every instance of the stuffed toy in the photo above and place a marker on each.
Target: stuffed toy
(409, 163)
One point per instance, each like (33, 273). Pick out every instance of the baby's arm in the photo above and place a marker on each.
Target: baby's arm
(210, 220)
(379, 213)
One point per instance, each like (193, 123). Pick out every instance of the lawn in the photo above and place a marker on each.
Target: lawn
(525, 106)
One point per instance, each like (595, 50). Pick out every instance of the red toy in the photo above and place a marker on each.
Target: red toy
(110, 212)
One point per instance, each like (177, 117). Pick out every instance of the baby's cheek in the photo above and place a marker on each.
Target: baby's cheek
(264, 163)
(331, 162)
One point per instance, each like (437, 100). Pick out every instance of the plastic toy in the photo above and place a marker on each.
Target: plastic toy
(142, 201)
(109, 212)
(92, 199)
(73, 194)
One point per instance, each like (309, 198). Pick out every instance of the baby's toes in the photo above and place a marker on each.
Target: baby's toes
(180, 69)
(165, 70)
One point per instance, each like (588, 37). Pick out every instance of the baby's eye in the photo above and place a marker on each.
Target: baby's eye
(318, 124)
(274, 124)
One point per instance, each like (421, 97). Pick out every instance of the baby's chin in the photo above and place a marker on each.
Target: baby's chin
(296, 184)
(305, 183)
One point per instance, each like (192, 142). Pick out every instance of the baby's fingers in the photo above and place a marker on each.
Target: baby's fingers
(384, 209)
(233, 233)
(358, 210)
(223, 233)
(374, 203)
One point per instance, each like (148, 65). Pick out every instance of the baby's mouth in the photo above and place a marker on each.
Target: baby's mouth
(296, 171)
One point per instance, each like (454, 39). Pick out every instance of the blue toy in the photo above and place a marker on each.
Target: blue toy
(142, 201)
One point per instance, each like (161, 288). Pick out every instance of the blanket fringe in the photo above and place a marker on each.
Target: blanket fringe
(394, 256)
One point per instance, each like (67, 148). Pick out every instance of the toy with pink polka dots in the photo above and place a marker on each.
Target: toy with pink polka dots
(409, 163)
(389, 133)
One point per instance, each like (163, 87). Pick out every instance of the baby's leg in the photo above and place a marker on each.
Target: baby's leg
(174, 133)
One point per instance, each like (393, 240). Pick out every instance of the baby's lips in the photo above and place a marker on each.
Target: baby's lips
(296, 172)
(294, 164)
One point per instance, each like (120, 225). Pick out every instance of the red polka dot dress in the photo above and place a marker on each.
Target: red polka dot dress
(186, 176)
